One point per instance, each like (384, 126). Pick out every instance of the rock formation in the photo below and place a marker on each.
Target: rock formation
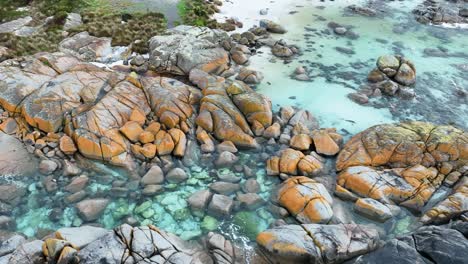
(404, 164)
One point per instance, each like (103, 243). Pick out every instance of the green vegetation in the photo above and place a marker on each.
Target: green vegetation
(197, 13)
(8, 9)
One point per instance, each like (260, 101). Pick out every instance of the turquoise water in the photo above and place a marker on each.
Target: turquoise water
(335, 75)
(394, 31)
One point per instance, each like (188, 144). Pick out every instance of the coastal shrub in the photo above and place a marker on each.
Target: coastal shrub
(8, 9)
(197, 13)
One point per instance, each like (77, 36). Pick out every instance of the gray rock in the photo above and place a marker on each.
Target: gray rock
(226, 159)
(314, 243)
(83, 235)
(73, 20)
(14, 25)
(220, 205)
(70, 169)
(250, 201)
(86, 47)
(176, 175)
(9, 245)
(199, 200)
(152, 189)
(16, 160)
(77, 184)
(154, 175)
(373, 209)
(7, 222)
(225, 188)
(340, 30)
(11, 193)
(184, 48)
(28, 253)
(91, 209)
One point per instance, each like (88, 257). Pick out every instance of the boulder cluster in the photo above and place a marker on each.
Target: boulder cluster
(394, 75)
(405, 164)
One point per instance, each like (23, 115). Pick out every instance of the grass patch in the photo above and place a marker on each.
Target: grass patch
(8, 9)
(197, 13)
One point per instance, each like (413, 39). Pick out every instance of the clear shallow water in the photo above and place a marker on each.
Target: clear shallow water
(337, 75)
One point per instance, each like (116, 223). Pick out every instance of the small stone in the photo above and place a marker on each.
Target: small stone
(132, 130)
(272, 131)
(138, 116)
(67, 145)
(250, 201)
(77, 184)
(340, 30)
(251, 186)
(199, 200)
(146, 137)
(152, 189)
(301, 142)
(47, 167)
(226, 146)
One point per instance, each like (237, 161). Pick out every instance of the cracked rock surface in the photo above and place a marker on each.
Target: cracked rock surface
(403, 164)
(313, 243)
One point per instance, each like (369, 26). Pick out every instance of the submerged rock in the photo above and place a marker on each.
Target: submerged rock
(313, 243)
(91, 209)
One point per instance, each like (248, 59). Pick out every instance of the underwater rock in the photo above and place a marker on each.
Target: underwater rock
(438, 12)
(185, 48)
(306, 199)
(199, 200)
(272, 27)
(314, 243)
(176, 175)
(220, 205)
(91, 209)
(398, 163)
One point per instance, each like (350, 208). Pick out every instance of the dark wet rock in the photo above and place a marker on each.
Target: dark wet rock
(431, 244)
(313, 243)
(185, 48)
(220, 205)
(15, 161)
(91, 209)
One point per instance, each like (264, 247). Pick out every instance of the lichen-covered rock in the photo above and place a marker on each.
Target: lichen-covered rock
(307, 200)
(185, 48)
(405, 144)
(314, 243)
(327, 141)
(400, 163)
(452, 207)
(230, 109)
(293, 162)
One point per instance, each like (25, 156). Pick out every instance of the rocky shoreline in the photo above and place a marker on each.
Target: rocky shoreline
(187, 115)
